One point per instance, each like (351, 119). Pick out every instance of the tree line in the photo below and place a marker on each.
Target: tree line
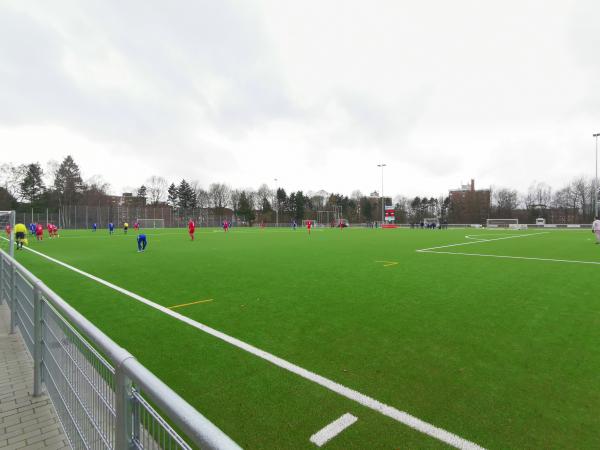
(61, 186)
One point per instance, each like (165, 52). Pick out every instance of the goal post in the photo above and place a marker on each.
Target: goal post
(151, 223)
(501, 223)
(8, 218)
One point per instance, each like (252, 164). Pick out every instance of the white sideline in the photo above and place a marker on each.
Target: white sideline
(333, 429)
(369, 402)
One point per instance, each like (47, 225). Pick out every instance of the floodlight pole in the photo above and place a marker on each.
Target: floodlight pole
(277, 206)
(382, 197)
(596, 179)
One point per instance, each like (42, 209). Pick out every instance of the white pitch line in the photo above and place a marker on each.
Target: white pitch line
(330, 431)
(422, 250)
(573, 261)
(369, 402)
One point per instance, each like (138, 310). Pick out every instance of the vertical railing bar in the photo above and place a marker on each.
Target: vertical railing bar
(2, 279)
(123, 428)
(37, 340)
(13, 298)
(136, 417)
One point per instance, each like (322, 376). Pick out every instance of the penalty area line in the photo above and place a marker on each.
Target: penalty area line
(424, 250)
(362, 399)
(527, 258)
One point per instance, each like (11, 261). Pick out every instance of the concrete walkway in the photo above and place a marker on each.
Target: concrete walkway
(26, 422)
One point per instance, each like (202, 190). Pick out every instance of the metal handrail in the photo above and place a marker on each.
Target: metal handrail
(128, 371)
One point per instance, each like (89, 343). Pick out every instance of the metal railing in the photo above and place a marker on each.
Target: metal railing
(104, 397)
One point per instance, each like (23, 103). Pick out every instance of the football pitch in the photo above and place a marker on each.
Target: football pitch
(417, 338)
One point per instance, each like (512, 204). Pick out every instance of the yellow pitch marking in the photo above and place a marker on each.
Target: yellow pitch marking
(191, 303)
(388, 263)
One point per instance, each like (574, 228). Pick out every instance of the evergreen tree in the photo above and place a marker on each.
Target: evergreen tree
(266, 206)
(245, 210)
(142, 192)
(172, 195)
(186, 197)
(68, 184)
(299, 204)
(281, 198)
(32, 187)
(366, 208)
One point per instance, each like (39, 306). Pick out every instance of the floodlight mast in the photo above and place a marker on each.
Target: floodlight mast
(596, 179)
(276, 206)
(382, 165)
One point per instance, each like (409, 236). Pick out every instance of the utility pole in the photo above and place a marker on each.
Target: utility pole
(276, 206)
(596, 179)
(382, 197)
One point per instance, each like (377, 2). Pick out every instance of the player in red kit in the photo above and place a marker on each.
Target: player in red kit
(39, 232)
(54, 231)
(191, 228)
(7, 229)
(309, 225)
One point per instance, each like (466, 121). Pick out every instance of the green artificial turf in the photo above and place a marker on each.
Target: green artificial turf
(502, 352)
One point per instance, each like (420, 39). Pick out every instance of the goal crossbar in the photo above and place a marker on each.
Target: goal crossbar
(501, 223)
(151, 223)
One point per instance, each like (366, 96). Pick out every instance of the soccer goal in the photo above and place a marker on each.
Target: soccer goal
(7, 227)
(151, 223)
(501, 223)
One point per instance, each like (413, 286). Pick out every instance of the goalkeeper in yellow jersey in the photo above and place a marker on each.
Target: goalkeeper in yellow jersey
(20, 232)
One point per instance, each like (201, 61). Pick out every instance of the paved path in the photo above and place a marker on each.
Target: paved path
(26, 422)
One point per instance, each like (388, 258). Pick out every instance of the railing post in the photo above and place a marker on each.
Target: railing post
(11, 240)
(37, 340)
(1, 278)
(13, 297)
(136, 419)
(123, 409)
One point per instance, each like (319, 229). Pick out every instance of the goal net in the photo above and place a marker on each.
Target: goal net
(7, 228)
(151, 223)
(501, 223)
(329, 218)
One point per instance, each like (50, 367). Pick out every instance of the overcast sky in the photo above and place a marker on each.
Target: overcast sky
(313, 93)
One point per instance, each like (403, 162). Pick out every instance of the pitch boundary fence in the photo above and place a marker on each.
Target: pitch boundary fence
(104, 397)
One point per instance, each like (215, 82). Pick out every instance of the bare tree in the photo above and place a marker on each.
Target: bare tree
(220, 195)
(505, 201)
(234, 196)
(11, 177)
(157, 188)
(264, 196)
(539, 193)
(562, 202)
(202, 198)
(583, 191)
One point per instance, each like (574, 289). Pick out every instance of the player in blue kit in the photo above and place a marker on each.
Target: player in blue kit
(111, 228)
(142, 242)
